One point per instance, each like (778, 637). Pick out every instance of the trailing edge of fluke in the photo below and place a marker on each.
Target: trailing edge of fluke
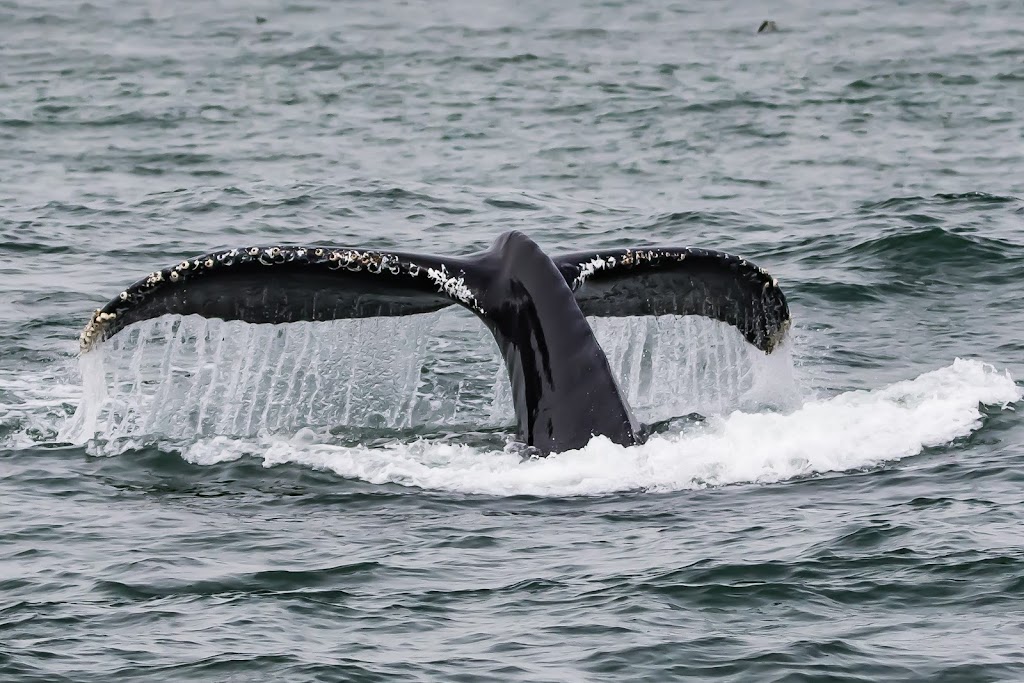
(534, 305)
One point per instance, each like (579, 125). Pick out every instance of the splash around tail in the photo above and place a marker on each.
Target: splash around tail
(562, 387)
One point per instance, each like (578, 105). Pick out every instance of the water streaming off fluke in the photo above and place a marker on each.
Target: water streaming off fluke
(182, 378)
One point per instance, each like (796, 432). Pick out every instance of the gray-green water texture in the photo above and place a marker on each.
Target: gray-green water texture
(207, 501)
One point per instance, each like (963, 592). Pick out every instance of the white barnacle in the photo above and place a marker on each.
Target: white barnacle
(334, 261)
(454, 287)
(274, 251)
(123, 296)
(414, 269)
(174, 276)
(300, 252)
(209, 263)
(94, 329)
(371, 261)
(438, 275)
(390, 263)
(588, 268)
(253, 251)
(183, 265)
(319, 252)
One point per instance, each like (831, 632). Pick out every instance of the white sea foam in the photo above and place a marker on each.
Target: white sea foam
(854, 430)
(221, 391)
(34, 404)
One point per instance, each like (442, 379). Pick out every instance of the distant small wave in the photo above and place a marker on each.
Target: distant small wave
(937, 246)
(942, 199)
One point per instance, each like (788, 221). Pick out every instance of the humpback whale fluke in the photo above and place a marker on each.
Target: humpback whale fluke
(563, 389)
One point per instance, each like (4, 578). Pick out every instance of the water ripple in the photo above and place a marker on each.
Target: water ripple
(868, 156)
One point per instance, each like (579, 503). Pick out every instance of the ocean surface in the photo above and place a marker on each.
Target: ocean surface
(191, 502)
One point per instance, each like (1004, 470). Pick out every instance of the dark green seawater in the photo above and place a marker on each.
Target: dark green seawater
(861, 520)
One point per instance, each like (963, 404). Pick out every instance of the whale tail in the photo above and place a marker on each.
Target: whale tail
(680, 281)
(563, 389)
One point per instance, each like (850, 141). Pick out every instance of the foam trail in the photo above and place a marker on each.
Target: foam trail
(854, 430)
